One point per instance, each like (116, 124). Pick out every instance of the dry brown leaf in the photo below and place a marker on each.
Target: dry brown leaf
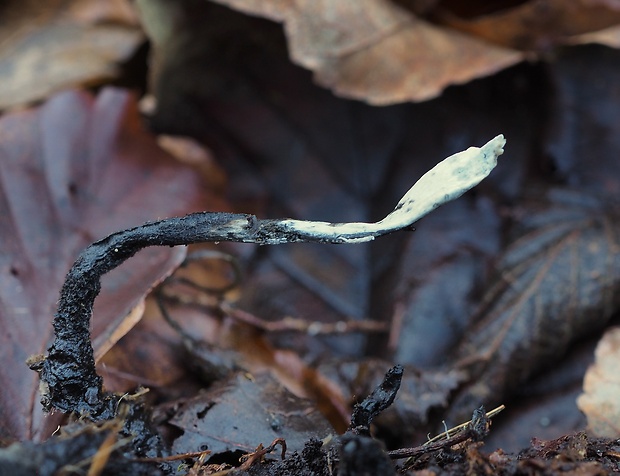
(539, 24)
(556, 283)
(376, 51)
(129, 363)
(601, 398)
(45, 47)
(215, 337)
(74, 170)
(244, 411)
(609, 37)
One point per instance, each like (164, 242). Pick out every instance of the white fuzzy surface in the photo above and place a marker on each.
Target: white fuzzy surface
(446, 181)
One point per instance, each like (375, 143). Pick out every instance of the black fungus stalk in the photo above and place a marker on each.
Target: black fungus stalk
(70, 381)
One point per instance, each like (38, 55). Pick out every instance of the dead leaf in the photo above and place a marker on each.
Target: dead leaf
(243, 412)
(378, 52)
(580, 149)
(608, 36)
(601, 388)
(74, 170)
(129, 363)
(538, 25)
(45, 47)
(556, 282)
(214, 345)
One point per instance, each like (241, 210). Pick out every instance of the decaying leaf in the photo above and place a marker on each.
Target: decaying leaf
(45, 47)
(72, 170)
(601, 402)
(243, 412)
(608, 36)
(447, 253)
(539, 24)
(213, 346)
(377, 51)
(558, 281)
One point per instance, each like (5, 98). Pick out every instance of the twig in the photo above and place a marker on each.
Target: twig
(250, 459)
(69, 381)
(476, 430)
(313, 328)
(454, 430)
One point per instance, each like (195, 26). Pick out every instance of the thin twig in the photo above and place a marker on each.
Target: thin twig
(292, 324)
(250, 459)
(476, 430)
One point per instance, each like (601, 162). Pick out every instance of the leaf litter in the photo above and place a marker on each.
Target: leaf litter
(66, 42)
(557, 281)
(476, 458)
(261, 101)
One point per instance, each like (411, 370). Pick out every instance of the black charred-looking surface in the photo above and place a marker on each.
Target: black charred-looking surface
(68, 373)
(380, 399)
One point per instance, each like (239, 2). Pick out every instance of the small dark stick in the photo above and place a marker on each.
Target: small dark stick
(476, 430)
(381, 398)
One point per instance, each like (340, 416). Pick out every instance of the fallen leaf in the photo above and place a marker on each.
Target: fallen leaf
(63, 43)
(448, 252)
(556, 282)
(214, 346)
(538, 25)
(608, 36)
(243, 412)
(74, 170)
(601, 388)
(377, 51)
(580, 149)
(129, 363)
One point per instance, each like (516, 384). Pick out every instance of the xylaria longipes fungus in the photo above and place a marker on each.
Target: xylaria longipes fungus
(69, 381)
